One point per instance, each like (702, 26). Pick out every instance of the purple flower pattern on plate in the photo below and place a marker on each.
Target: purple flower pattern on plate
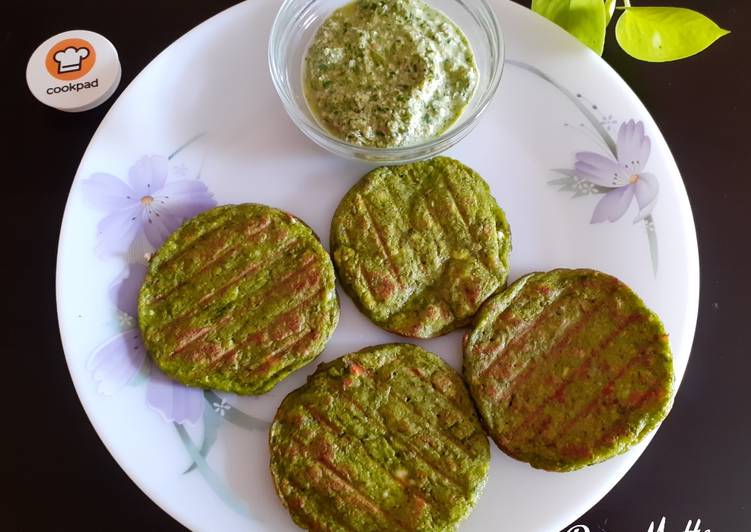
(624, 174)
(123, 356)
(150, 206)
(620, 175)
(147, 204)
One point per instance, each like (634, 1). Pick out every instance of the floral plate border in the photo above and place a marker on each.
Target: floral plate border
(141, 211)
(619, 175)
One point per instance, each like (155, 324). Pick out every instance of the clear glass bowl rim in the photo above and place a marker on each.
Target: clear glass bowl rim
(323, 137)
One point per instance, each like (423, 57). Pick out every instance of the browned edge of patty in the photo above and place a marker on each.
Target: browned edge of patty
(613, 314)
(443, 385)
(391, 280)
(208, 343)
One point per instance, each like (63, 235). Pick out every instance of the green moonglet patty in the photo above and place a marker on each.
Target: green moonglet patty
(419, 247)
(568, 368)
(383, 439)
(237, 298)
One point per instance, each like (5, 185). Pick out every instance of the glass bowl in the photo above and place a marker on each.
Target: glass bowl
(293, 30)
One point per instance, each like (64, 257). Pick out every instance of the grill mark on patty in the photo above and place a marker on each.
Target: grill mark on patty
(269, 264)
(378, 234)
(570, 333)
(483, 347)
(322, 507)
(189, 337)
(359, 267)
(420, 419)
(534, 417)
(202, 306)
(253, 339)
(299, 349)
(357, 496)
(261, 335)
(520, 334)
(616, 332)
(189, 246)
(402, 227)
(462, 215)
(232, 318)
(439, 233)
(560, 299)
(406, 442)
(380, 287)
(212, 295)
(603, 393)
(365, 280)
(426, 321)
(330, 425)
(439, 431)
(441, 237)
(435, 231)
(454, 238)
(411, 491)
(337, 432)
(446, 402)
(489, 225)
(429, 383)
(656, 391)
(636, 400)
(391, 438)
(338, 420)
(403, 209)
(296, 283)
(228, 252)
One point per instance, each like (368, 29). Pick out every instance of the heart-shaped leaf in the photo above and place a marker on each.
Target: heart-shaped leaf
(660, 34)
(584, 19)
(609, 10)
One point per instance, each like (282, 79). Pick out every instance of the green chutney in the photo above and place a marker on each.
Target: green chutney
(388, 73)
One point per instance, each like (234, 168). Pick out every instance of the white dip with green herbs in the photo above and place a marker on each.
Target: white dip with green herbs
(387, 73)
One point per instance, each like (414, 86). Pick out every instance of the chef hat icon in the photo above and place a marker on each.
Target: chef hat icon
(69, 60)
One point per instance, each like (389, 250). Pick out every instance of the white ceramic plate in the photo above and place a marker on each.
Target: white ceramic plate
(202, 124)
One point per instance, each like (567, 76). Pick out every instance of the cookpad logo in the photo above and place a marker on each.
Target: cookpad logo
(70, 59)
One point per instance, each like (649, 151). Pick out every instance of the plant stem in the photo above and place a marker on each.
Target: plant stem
(626, 3)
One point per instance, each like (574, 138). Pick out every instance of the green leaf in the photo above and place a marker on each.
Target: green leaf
(609, 10)
(660, 34)
(584, 19)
